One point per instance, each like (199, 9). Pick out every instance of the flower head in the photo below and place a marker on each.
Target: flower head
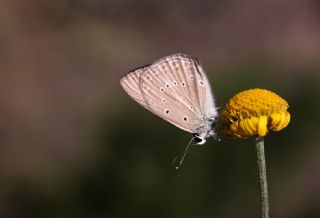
(253, 112)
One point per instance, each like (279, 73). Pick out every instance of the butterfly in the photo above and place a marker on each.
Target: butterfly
(176, 89)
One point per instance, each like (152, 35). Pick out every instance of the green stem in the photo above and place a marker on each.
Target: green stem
(262, 177)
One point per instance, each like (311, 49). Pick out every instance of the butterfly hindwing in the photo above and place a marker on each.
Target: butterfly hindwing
(131, 84)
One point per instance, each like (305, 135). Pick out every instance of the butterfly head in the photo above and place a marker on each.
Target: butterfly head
(205, 131)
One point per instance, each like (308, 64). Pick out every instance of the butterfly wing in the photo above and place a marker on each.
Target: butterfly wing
(173, 88)
(206, 98)
(131, 84)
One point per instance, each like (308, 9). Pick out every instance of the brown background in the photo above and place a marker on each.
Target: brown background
(72, 143)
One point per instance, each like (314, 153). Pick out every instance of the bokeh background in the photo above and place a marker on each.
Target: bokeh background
(73, 144)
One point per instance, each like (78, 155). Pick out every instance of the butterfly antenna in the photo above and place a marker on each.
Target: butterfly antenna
(184, 154)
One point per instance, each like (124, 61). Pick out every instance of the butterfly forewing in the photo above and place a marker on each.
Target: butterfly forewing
(168, 103)
(181, 68)
(206, 98)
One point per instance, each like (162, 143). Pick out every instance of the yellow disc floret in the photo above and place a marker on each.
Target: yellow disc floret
(253, 112)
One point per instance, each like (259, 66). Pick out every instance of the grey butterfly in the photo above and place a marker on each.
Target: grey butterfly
(176, 89)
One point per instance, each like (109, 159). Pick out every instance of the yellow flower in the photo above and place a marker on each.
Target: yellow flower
(253, 112)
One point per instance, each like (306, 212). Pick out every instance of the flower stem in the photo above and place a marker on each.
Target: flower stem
(262, 177)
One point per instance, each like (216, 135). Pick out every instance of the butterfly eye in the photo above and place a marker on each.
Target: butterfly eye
(213, 125)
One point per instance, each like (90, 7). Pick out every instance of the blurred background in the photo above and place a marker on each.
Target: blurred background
(73, 144)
